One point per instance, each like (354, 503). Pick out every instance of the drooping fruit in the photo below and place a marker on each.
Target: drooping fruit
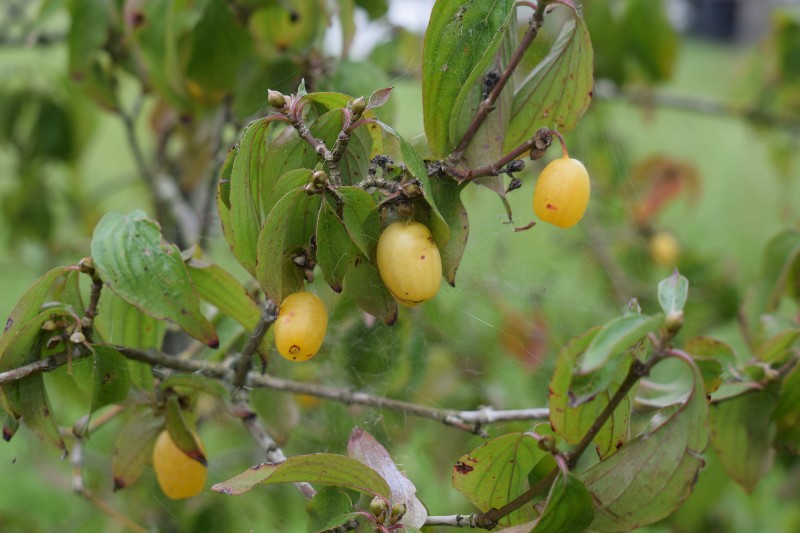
(562, 192)
(409, 262)
(178, 475)
(300, 327)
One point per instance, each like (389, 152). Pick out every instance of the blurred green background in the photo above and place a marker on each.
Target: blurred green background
(698, 167)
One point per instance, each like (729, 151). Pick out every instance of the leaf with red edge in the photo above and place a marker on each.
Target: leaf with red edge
(363, 447)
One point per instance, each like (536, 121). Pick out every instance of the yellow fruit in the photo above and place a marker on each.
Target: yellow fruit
(409, 262)
(178, 475)
(300, 327)
(562, 192)
(664, 248)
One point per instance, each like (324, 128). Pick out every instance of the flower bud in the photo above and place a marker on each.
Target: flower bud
(358, 106)
(77, 337)
(276, 99)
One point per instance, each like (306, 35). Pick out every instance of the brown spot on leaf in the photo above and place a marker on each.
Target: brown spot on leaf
(9, 323)
(45, 412)
(461, 468)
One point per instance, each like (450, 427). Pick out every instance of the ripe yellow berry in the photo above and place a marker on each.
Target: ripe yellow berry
(664, 248)
(300, 327)
(409, 262)
(562, 192)
(178, 475)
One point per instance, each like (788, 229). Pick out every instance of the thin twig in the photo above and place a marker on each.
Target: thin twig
(471, 420)
(537, 146)
(166, 194)
(244, 362)
(487, 105)
(456, 520)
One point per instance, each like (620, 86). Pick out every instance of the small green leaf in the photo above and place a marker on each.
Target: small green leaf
(285, 237)
(224, 196)
(329, 508)
(27, 307)
(218, 44)
(650, 37)
(180, 433)
(448, 197)
(112, 377)
(122, 324)
(133, 260)
(461, 37)
(616, 337)
(709, 347)
(219, 288)
(364, 285)
(497, 472)
(631, 489)
(360, 217)
(322, 468)
(672, 293)
(741, 431)
(415, 164)
(558, 90)
(336, 252)
(21, 347)
(134, 446)
(248, 180)
(778, 347)
(787, 412)
(778, 269)
(9, 422)
(88, 32)
(28, 398)
(569, 507)
(195, 382)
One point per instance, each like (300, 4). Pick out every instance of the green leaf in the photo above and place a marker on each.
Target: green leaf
(133, 448)
(286, 235)
(569, 507)
(616, 337)
(218, 44)
(360, 217)
(8, 418)
(329, 508)
(631, 489)
(248, 181)
(709, 347)
(28, 398)
(787, 412)
(461, 38)
(27, 307)
(486, 146)
(21, 348)
(565, 419)
(616, 431)
(558, 90)
(88, 32)
(497, 472)
(322, 468)
(134, 261)
(112, 377)
(364, 448)
(122, 324)
(195, 382)
(778, 347)
(224, 195)
(650, 37)
(741, 431)
(364, 285)
(180, 433)
(672, 293)
(336, 252)
(219, 288)
(447, 193)
(779, 273)
(415, 164)
(348, 24)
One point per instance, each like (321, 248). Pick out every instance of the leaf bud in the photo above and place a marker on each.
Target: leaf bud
(49, 325)
(674, 322)
(358, 106)
(398, 510)
(377, 507)
(77, 337)
(276, 99)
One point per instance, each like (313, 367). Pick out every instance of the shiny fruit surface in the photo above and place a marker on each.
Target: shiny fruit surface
(300, 327)
(409, 262)
(562, 192)
(178, 475)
